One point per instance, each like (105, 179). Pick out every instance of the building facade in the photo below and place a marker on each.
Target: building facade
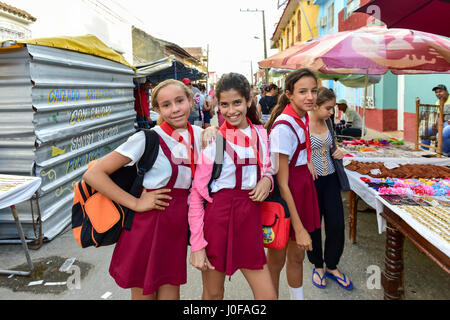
(14, 23)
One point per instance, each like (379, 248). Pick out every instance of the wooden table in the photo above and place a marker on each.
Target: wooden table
(396, 231)
(393, 277)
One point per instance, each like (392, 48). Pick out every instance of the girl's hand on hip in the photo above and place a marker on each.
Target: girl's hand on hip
(262, 190)
(153, 200)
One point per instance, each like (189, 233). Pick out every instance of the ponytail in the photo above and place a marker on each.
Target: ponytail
(283, 101)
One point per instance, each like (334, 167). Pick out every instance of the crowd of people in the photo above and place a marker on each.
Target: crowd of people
(271, 139)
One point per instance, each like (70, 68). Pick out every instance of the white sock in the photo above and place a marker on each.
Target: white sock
(296, 293)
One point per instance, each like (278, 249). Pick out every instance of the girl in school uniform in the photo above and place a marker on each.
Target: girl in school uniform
(226, 236)
(328, 194)
(151, 257)
(291, 157)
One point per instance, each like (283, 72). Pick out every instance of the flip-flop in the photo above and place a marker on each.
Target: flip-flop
(321, 286)
(335, 278)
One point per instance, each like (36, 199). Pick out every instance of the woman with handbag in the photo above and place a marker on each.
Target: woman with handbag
(328, 187)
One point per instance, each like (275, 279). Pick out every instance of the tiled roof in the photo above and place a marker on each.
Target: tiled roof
(17, 12)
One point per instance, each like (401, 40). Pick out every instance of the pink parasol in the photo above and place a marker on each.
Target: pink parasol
(373, 50)
(368, 50)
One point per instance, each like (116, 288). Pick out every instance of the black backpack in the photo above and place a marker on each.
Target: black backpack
(97, 220)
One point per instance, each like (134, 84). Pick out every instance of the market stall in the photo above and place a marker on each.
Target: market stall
(382, 148)
(167, 68)
(411, 197)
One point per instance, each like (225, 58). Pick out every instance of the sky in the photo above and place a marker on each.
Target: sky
(220, 24)
(229, 32)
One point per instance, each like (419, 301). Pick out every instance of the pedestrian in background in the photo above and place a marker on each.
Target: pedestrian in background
(194, 117)
(291, 157)
(328, 195)
(267, 102)
(141, 104)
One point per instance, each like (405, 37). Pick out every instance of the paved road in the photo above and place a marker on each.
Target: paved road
(423, 278)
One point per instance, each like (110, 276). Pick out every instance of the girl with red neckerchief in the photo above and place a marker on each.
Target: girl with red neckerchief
(150, 259)
(226, 234)
(290, 149)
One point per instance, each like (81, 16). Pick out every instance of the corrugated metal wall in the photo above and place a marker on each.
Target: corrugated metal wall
(59, 110)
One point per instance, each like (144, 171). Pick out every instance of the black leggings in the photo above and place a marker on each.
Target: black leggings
(332, 211)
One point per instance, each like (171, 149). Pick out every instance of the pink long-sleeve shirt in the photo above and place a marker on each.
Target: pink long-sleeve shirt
(199, 192)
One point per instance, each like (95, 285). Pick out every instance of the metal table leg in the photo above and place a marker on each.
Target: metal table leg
(24, 245)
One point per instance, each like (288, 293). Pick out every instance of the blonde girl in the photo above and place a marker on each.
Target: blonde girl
(150, 259)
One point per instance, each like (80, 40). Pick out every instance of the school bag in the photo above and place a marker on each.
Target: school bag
(96, 219)
(275, 216)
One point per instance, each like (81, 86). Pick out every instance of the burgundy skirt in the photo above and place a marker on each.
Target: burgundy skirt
(233, 229)
(303, 191)
(153, 253)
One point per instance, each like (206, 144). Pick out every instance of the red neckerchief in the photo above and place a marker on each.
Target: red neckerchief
(237, 137)
(190, 149)
(289, 110)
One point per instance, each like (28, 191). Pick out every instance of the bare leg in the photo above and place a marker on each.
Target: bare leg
(136, 294)
(168, 292)
(294, 265)
(213, 285)
(260, 282)
(275, 263)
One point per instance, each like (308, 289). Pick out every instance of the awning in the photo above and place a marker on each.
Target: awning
(167, 68)
(88, 44)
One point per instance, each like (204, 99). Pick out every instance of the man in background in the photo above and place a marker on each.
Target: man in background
(194, 117)
(351, 125)
(141, 105)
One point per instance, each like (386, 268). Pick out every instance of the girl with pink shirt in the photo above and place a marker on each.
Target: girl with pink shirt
(226, 234)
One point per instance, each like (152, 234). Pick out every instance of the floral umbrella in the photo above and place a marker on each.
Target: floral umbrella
(372, 50)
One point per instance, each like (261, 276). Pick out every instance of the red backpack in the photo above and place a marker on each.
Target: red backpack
(276, 219)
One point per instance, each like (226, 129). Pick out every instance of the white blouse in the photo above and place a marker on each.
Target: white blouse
(227, 179)
(284, 141)
(159, 175)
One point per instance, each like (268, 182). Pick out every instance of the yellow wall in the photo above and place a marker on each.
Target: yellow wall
(312, 12)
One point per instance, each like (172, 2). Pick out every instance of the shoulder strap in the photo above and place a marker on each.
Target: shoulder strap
(330, 128)
(218, 160)
(150, 153)
(143, 166)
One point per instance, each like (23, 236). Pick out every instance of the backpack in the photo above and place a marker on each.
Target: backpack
(275, 216)
(97, 220)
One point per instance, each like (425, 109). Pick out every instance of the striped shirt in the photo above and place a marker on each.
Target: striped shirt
(320, 153)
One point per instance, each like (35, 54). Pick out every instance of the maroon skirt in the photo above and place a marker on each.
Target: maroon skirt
(303, 191)
(233, 229)
(153, 253)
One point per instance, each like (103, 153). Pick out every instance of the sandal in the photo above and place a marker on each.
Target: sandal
(336, 278)
(318, 285)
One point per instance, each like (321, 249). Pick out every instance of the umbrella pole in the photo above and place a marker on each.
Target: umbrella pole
(363, 129)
